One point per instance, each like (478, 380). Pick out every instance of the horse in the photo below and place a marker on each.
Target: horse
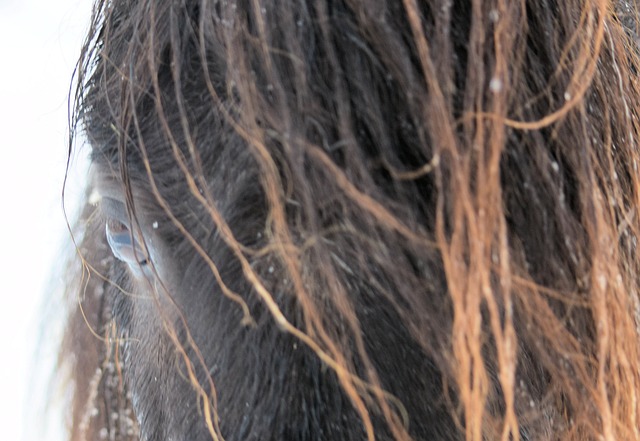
(356, 219)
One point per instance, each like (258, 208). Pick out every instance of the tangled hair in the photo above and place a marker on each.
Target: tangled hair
(347, 220)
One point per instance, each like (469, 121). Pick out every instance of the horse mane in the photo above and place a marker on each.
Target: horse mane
(357, 220)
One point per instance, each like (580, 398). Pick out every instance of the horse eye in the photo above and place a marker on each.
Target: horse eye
(123, 245)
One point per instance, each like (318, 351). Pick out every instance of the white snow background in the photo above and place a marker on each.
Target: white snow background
(40, 41)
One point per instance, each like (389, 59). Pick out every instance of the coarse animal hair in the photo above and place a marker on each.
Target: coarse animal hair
(357, 219)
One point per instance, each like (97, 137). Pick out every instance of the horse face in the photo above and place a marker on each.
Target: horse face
(345, 221)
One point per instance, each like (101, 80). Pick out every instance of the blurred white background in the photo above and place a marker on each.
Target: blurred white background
(39, 43)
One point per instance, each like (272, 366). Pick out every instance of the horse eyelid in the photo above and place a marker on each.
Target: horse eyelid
(114, 209)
